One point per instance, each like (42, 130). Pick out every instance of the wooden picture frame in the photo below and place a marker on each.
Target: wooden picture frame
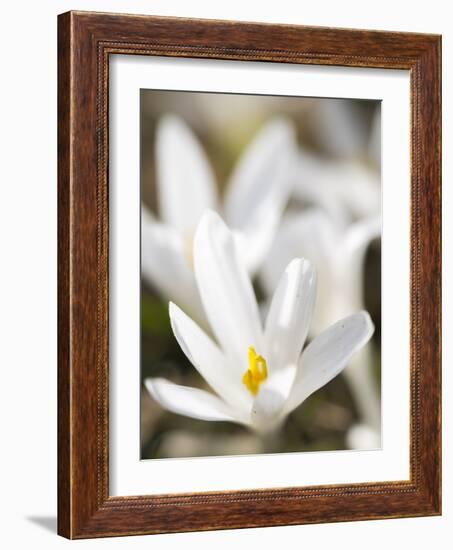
(85, 42)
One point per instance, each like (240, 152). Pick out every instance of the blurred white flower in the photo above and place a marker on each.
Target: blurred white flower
(346, 181)
(346, 187)
(362, 436)
(253, 202)
(338, 254)
(347, 190)
(259, 374)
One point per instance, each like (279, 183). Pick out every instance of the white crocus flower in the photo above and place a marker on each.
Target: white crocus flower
(346, 189)
(346, 184)
(253, 202)
(338, 254)
(259, 374)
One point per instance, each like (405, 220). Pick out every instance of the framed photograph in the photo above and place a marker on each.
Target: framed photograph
(249, 275)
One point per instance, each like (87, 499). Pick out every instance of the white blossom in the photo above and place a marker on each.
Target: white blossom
(258, 374)
(254, 199)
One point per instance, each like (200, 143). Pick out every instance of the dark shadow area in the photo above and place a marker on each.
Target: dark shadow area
(49, 523)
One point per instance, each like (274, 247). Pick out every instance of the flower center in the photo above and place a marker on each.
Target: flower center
(256, 374)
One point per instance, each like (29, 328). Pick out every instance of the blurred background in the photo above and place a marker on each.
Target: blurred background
(339, 173)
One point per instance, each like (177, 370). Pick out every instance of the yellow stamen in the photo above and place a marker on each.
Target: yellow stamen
(256, 373)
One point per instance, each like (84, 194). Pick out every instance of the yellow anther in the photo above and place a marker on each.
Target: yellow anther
(256, 373)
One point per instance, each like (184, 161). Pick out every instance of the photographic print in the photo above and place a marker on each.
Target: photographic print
(249, 281)
(260, 274)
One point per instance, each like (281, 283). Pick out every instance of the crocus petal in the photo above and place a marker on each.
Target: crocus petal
(362, 382)
(313, 236)
(186, 185)
(310, 235)
(165, 267)
(255, 237)
(327, 355)
(268, 406)
(226, 290)
(260, 185)
(344, 189)
(258, 168)
(187, 401)
(209, 361)
(290, 313)
(315, 185)
(349, 261)
(266, 410)
(362, 193)
(356, 241)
